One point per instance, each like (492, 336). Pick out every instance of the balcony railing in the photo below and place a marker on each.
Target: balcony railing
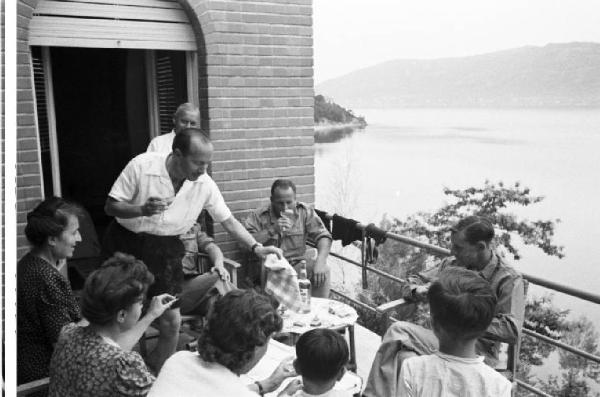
(587, 296)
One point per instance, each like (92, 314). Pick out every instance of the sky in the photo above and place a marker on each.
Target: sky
(353, 34)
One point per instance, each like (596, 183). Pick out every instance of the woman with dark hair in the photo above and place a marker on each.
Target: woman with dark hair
(234, 340)
(96, 360)
(45, 302)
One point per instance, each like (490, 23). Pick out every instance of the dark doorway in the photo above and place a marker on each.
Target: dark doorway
(101, 109)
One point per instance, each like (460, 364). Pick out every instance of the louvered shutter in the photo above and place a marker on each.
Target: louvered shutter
(42, 118)
(170, 86)
(142, 24)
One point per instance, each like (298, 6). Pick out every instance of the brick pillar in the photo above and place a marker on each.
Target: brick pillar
(259, 68)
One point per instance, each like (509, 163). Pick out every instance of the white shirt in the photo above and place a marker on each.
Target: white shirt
(146, 176)
(162, 143)
(445, 375)
(186, 374)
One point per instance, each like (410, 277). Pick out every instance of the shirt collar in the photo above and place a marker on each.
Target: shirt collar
(489, 269)
(159, 168)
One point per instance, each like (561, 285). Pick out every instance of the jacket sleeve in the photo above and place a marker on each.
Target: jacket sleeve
(510, 310)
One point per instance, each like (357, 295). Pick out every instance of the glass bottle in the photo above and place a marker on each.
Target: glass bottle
(305, 288)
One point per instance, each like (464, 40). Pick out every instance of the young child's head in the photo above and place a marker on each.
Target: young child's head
(461, 303)
(321, 355)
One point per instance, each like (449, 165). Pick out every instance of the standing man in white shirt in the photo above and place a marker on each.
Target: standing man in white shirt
(186, 116)
(155, 199)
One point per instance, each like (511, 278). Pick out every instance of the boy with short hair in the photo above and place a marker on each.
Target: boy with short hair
(321, 356)
(462, 306)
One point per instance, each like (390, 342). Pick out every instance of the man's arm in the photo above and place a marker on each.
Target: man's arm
(217, 259)
(321, 268)
(125, 210)
(235, 229)
(418, 284)
(510, 310)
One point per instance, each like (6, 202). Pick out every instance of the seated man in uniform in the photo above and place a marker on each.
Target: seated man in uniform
(288, 224)
(473, 249)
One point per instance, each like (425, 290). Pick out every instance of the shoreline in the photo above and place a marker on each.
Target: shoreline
(329, 133)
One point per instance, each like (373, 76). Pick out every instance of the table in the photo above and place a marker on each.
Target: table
(330, 314)
(277, 352)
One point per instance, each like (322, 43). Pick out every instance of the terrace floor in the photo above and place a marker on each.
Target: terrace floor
(367, 343)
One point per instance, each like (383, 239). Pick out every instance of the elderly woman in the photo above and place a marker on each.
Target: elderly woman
(236, 337)
(96, 360)
(45, 302)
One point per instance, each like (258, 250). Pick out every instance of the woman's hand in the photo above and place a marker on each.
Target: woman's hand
(291, 388)
(160, 304)
(284, 370)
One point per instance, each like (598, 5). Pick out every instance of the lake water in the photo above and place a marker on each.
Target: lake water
(400, 163)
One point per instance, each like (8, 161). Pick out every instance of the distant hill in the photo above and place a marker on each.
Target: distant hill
(334, 122)
(556, 75)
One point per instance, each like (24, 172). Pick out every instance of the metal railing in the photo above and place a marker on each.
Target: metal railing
(590, 297)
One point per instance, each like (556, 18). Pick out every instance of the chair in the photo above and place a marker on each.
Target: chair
(187, 321)
(35, 386)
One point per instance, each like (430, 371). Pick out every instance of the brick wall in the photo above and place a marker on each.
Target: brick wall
(256, 88)
(259, 66)
(29, 191)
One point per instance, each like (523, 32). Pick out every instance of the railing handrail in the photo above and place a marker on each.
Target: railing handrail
(585, 295)
(588, 296)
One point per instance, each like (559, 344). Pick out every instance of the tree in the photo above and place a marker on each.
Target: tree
(493, 201)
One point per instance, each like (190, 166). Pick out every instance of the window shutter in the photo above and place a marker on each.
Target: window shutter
(171, 86)
(42, 119)
(142, 24)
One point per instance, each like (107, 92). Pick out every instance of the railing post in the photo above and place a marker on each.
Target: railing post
(363, 259)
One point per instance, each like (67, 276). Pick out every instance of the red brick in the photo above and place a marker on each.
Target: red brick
(25, 120)
(27, 156)
(27, 132)
(27, 144)
(25, 107)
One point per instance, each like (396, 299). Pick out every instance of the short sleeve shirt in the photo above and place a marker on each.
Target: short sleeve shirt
(162, 143)
(439, 374)
(146, 176)
(307, 226)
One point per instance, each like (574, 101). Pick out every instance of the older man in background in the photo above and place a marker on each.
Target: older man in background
(186, 116)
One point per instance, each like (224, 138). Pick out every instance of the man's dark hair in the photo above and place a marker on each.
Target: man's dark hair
(282, 184)
(183, 139)
(321, 353)
(462, 303)
(121, 281)
(239, 322)
(476, 228)
(49, 219)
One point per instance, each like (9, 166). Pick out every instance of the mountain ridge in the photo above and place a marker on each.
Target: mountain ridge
(554, 75)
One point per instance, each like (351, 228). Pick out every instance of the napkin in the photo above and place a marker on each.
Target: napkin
(282, 282)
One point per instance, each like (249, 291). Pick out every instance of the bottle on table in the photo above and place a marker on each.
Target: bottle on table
(305, 288)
